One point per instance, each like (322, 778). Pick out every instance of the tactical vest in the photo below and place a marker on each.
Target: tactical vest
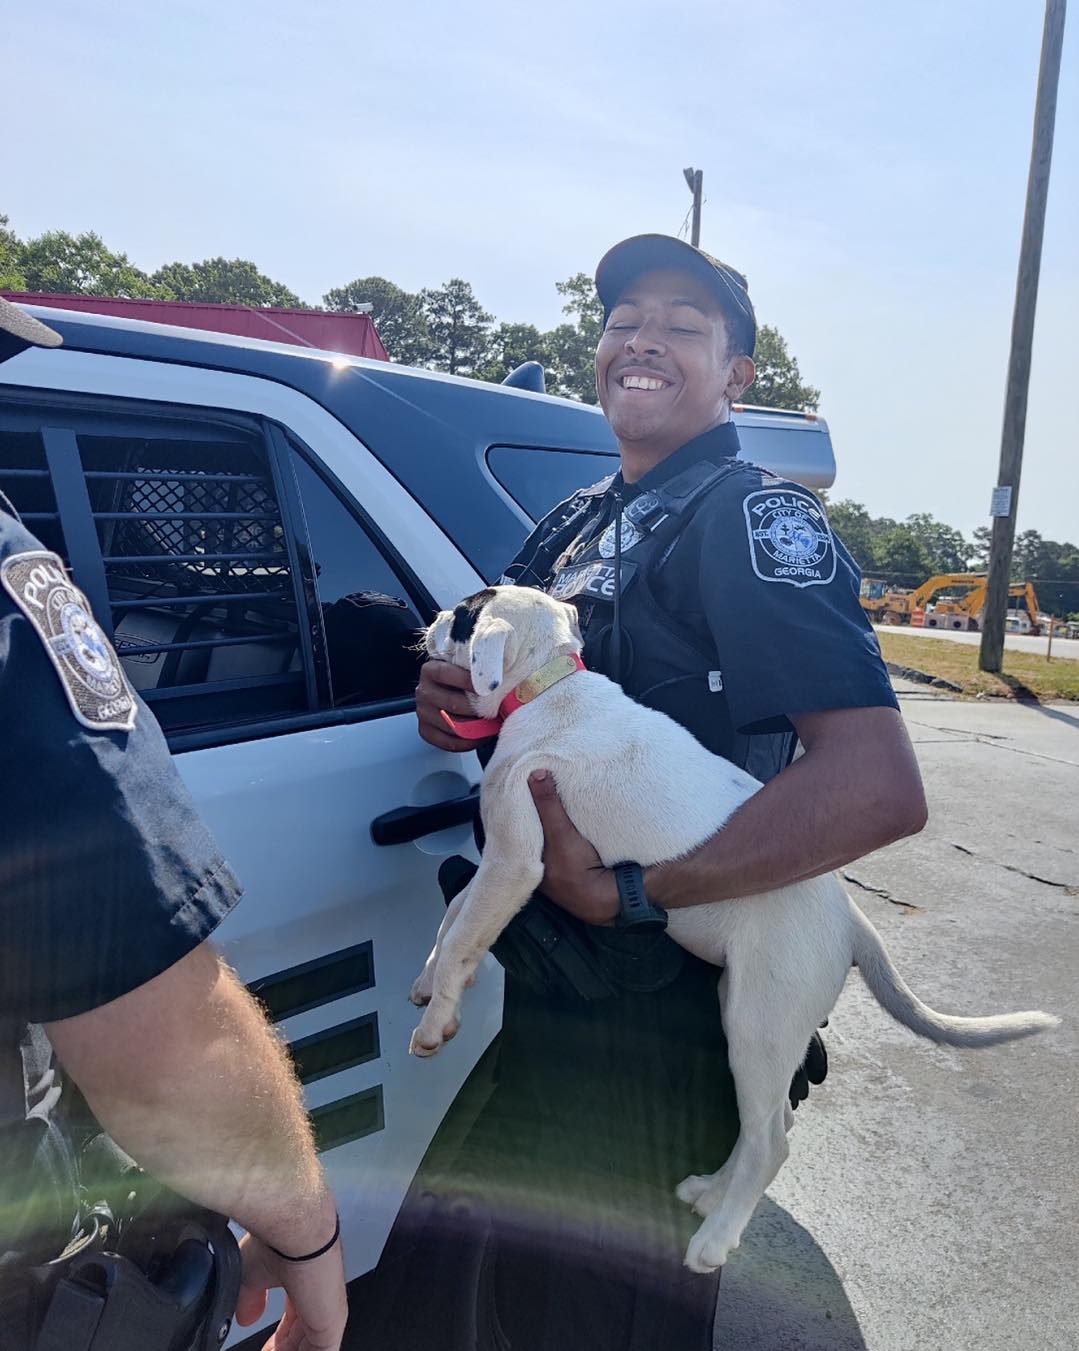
(649, 652)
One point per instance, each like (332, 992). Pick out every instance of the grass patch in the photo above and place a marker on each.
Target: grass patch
(1026, 675)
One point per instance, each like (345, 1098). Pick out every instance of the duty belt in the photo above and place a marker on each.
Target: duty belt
(176, 1291)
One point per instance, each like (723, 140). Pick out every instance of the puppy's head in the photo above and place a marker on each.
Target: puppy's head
(501, 635)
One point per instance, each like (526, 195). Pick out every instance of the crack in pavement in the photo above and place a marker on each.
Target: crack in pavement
(1068, 888)
(906, 906)
(991, 739)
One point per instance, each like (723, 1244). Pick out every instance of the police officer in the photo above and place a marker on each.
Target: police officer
(109, 887)
(716, 592)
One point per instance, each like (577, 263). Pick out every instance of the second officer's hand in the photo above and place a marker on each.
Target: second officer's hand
(573, 873)
(444, 686)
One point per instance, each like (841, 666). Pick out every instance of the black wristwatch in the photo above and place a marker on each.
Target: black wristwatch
(638, 912)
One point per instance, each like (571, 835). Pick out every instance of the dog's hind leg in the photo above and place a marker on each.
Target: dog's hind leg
(766, 1040)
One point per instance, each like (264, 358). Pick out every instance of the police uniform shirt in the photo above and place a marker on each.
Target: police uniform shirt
(737, 615)
(107, 874)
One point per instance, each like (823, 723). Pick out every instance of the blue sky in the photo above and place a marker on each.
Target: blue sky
(865, 165)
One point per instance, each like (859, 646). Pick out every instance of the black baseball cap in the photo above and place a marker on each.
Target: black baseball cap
(647, 253)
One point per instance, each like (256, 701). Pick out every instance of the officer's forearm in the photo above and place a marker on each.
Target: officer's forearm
(856, 789)
(189, 1079)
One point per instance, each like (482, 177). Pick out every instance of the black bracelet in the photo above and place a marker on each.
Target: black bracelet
(310, 1256)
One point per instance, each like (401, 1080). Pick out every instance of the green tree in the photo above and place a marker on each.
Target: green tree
(778, 383)
(12, 277)
(510, 345)
(458, 326)
(944, 546)
(398, 316)
(224, 281)
(979, 549)
(898, 555)
(572, 345)
(82, 265)
(855, 527)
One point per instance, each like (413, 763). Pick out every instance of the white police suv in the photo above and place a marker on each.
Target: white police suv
(261, 529)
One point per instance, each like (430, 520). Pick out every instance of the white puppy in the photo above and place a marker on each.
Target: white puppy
(640, 787)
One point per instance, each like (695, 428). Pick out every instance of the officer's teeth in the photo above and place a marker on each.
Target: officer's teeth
(641, 382)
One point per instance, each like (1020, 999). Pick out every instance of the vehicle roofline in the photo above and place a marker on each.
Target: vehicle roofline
(208, 338)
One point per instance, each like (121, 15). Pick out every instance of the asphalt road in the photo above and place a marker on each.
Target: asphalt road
(931, 1200)
(1018, 642)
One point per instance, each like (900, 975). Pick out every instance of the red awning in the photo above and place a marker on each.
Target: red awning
(354, 334)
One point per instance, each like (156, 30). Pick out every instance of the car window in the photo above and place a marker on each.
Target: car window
(538, 478)
(173, 528)
(371, 616)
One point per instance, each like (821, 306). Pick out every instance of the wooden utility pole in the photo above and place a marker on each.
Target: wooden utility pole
(1006, 494)
(695, 179)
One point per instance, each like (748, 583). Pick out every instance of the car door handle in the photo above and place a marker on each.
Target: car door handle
(411, 823)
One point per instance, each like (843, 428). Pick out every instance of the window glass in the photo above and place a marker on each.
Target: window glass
(538, 478)
(371, 620)
(197, 571)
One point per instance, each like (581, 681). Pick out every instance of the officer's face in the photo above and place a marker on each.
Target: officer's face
(663, 370)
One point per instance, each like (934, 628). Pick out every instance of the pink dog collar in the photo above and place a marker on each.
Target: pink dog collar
(479, 729)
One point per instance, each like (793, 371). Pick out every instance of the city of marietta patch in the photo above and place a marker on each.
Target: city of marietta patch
(89, 670)
(790, 539)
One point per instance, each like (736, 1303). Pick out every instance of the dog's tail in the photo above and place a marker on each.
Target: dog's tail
(897, 998)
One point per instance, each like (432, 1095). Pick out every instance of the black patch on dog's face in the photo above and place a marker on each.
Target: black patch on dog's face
(466, 614)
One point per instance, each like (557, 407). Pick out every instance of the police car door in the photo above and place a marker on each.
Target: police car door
(215, 519)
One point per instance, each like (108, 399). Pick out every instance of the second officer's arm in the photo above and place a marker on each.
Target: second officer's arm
(186, 1075)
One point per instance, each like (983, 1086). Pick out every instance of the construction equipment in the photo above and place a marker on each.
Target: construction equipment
(886, 605)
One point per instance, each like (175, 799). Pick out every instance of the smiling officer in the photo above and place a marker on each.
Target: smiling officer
(717, 593)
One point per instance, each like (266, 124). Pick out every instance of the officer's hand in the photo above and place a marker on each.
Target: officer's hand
(813, 1070)
(573, 873)
(316, 1305)
(442, 686)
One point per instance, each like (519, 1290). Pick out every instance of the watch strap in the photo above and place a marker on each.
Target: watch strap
(637, 911)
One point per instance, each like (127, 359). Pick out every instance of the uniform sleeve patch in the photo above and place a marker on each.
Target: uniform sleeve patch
(93, 679)
(790, 539)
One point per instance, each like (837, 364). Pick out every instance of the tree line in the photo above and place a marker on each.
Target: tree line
(443, 328)
(446, 328)
(907, 553)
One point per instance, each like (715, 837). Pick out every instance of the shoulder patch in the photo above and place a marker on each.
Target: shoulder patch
(790, 539)
(93, 679)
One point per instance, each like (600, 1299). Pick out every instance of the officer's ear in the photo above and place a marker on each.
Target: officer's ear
(492, 649)
(742, 374)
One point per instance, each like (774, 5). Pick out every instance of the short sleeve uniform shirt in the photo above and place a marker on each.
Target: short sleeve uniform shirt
(743, 616)
(107, 874)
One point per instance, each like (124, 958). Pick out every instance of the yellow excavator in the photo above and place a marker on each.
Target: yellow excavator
(896, 605)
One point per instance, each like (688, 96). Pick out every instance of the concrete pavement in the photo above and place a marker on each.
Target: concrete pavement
(931, 1200)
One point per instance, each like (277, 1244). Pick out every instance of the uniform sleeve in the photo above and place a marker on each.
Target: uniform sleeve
(781, 601)
(107, 874)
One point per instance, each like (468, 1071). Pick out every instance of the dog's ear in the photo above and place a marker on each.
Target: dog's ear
(438, 637)
(492, 650)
